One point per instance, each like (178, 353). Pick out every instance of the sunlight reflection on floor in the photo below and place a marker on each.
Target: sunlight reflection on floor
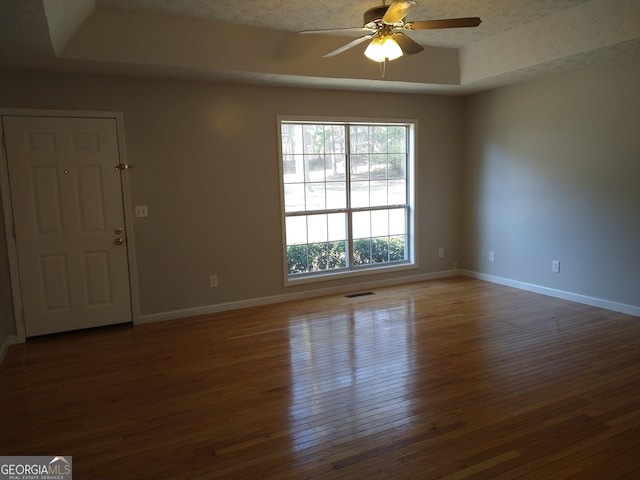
(334, 362)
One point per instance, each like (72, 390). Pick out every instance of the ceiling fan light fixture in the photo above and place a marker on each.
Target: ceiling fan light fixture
(384, 26)
(383, 48)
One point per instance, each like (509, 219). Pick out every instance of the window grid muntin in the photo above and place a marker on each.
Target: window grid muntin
(390, 174)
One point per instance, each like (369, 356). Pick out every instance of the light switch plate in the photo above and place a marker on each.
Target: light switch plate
(141, 211)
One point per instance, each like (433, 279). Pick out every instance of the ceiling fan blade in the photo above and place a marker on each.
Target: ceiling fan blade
(397, 11)
(337, 30)
(407, 44)
(446, 23)
(349, 45)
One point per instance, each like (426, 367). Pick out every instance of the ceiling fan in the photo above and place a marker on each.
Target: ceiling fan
(384, 26)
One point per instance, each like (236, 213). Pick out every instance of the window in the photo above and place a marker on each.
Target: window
(347, 196)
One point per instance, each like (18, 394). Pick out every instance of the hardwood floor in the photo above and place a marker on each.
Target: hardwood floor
(453, 379)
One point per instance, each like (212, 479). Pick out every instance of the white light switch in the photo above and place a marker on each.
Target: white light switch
(141, 211)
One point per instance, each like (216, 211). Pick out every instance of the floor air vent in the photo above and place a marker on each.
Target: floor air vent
(354, 295)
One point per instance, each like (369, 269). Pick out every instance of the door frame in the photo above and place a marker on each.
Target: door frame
(5, 187)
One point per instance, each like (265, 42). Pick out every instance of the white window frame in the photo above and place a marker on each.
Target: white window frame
(412, 227)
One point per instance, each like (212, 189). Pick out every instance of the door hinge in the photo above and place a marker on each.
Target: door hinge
(4, 144)
(13, 229)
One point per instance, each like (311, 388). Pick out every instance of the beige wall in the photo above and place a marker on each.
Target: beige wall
(7, 323)
(552, 172)
(206, 164)
(547, 169)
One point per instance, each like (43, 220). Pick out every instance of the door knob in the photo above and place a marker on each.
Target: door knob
(119, 241)
(118, 230)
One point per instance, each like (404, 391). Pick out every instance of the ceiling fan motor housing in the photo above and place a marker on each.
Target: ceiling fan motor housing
(375, 14)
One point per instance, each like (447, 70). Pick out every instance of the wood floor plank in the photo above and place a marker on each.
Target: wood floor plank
(453, 378)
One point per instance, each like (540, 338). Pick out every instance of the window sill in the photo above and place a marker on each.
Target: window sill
(359, 272)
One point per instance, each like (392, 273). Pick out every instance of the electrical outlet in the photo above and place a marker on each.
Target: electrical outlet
(492, 256)
(441, 252)
(555, 266)
(213, 281)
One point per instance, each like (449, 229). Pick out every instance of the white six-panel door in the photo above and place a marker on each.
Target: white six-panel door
(66, 196)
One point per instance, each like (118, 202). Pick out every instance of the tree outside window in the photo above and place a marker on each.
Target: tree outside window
(346, 196)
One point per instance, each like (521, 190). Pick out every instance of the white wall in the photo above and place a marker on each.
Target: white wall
(552, 171)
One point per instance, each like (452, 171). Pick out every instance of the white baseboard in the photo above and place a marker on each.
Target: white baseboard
(10, 340)
(552, 292)
(287, 297)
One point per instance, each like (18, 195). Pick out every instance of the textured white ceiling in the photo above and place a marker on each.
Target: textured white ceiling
(518, 39)
(497, 15)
